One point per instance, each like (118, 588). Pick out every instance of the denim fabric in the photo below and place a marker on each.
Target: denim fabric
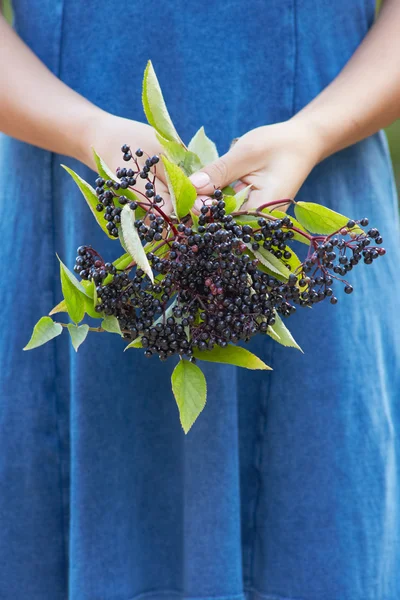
(287, 487)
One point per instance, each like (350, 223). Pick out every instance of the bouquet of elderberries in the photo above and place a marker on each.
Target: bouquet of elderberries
(197, 285)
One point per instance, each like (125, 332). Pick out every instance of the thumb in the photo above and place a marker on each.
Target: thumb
(218, 174)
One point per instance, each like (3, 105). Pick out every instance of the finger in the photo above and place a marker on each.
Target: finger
(220, 173)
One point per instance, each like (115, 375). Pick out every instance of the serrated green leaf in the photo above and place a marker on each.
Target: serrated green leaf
(44, 331)
(272, 333)
(111, 324)
(205, 148)
(190, 391)
(320, 219)
(154, 106)
(105, 172)
(269, 260)
(232, 355)
(78, 334)
(90, 196)
(74, 293)
(281, 333)
(133, 242)
(182, 191)
(61, 307)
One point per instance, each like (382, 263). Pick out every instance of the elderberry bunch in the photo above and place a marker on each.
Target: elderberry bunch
(211, 284)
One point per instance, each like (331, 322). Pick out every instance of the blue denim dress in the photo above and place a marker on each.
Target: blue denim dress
(288, 485)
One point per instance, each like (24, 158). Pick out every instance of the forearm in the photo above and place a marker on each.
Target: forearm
(365, 97)
(35, 106)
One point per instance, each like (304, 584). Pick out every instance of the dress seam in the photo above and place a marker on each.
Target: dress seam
(258, 462)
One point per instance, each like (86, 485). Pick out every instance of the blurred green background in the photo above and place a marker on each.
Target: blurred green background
(393, 132)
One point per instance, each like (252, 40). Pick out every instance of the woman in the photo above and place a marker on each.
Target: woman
(287, 486)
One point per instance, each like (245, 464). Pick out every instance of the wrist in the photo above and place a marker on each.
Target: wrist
(91, 122)
(315, 136)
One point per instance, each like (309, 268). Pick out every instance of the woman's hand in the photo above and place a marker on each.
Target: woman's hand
(275, 160)
(107, 133)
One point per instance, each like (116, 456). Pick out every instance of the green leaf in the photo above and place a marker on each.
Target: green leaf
(44, 331)
(230, 204)
(191, 163)
(247, 220)
(232, 355)
(78, 334)
(105, 172)
(195, 220)
(91, 298)
(154, 106)
(272, 333)
(122, 240)
(123, 261)
(228, 191)
(155, 248)
(111, 324)
(89, 309)
(133, 242)
(293, 262)
(91, 198)
(242, 196)
(320, 219)
(182, 191)
(281, 333)
(75, 282)
(174, 151)
(74, 293)
(190, 391)
(61, 307)
(177, 154)
(205, 148)
(270, 261)
(137, 343)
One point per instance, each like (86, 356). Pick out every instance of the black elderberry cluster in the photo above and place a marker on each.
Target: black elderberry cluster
(110, 202)
(209, 288)
(332, 258)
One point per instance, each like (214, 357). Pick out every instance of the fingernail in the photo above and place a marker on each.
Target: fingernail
(200, 179)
